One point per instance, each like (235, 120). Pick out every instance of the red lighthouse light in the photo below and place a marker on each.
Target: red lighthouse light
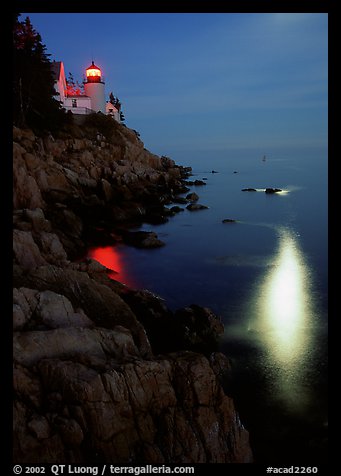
(93, 72)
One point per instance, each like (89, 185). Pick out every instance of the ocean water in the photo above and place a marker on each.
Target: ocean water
(266, 275)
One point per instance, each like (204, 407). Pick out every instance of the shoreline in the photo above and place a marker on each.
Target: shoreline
(100, 368)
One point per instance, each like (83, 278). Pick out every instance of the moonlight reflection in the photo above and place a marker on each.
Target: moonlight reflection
(284, 316)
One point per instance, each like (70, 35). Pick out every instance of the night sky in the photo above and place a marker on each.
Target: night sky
(204, 81)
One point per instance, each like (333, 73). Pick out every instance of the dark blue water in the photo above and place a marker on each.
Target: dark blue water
(266, 276)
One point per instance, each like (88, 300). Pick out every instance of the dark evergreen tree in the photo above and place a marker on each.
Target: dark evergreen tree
(112, 99)
(115, 101)
(33, 84)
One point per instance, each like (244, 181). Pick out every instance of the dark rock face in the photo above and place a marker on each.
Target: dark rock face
(106, 409)
(199, 328)
(192, 328)
(249, 190)
(104, 373)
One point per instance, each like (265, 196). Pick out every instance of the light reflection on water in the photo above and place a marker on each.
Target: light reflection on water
(111, 258)
(283, 318)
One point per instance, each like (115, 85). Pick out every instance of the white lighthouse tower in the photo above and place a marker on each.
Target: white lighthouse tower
(94, 88)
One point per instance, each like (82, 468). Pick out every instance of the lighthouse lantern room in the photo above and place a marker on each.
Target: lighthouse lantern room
(93, 73)
(94, 88)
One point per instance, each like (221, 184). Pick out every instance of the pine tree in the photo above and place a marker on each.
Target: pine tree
(112, 99)
(115, 101)
(33, 84)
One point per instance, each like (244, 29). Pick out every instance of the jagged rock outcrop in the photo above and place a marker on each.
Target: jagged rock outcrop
(104, 373)
(78, 184)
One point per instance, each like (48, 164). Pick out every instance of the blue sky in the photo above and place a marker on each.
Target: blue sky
(204, 81)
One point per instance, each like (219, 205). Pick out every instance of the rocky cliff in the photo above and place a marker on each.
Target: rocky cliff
(104, 373)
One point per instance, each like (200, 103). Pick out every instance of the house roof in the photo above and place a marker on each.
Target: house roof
(109, 105)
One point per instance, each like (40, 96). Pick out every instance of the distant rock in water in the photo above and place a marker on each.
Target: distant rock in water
(192, 197)
(142, 239)
(199, 182)
(273, 190)
(177, 209)
(249, 190)
(214, 172)
(229, 220)
(196, 206)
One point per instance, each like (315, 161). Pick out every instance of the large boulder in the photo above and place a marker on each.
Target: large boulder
(26, 251)
(101, 304)
(31, 347)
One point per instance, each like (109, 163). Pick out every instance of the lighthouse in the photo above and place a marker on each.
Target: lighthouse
(94, 88)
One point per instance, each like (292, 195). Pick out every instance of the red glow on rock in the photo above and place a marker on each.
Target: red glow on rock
(110, 257)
